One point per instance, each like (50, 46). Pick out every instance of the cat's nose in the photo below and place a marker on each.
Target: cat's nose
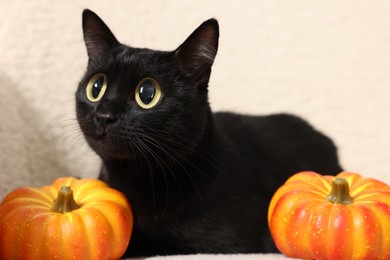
(105, 119)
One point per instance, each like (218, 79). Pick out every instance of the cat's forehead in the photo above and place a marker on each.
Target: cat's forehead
(126, 59)
(138, 59)
(130, 55)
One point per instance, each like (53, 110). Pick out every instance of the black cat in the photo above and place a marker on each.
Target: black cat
(197, 182)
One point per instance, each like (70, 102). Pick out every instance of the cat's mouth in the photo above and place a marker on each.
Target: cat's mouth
(108, 144)
(107, 147)
(101, 133)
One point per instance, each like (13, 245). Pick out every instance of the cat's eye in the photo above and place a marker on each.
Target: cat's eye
(147, 93)
(96, 87)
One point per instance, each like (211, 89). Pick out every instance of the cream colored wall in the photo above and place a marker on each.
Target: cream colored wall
(328, 61)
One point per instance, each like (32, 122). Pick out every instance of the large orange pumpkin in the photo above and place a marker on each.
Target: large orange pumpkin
(326, 217)
(71, 219)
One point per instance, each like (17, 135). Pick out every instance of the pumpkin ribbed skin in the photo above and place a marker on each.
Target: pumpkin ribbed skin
(304, 224)
(99, 229)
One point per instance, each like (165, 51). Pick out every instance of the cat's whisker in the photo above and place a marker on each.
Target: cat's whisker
(141, 142)
(70, 141)
(187, 172)
(180, 156)
(199, 151)
(150, 167)
(170, 140)
(69, 138)
(168, 136)
(157, 145)
(158, 160)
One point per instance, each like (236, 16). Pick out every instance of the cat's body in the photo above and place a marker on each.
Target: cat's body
(197, 182)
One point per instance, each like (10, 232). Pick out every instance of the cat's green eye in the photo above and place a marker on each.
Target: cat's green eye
(147, 93)
(96, 87)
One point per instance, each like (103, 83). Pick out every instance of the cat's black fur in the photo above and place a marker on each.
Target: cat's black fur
(197, 181)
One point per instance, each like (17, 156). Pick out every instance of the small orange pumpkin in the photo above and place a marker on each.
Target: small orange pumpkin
(326, 217)
(71, 219)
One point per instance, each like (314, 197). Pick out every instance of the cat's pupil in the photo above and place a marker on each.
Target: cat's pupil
(147, 91)
(97, 86)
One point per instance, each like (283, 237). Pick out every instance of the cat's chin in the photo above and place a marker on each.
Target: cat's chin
(114, 154)
(107, 148)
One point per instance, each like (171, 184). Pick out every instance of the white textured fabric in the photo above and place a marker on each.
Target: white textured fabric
(327, 61)
(219, 257)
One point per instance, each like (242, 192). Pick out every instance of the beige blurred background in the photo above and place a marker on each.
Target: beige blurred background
(327, 61)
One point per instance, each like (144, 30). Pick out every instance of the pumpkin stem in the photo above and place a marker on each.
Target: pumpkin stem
(340, 192)
(65, 201)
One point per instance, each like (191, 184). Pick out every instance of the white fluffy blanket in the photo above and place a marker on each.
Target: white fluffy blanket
(328, 61)
(219, 257)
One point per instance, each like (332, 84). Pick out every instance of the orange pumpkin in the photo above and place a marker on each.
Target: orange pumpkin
(326, 217)
(71, 219)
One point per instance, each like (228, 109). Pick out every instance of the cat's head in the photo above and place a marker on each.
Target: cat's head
(131, 100)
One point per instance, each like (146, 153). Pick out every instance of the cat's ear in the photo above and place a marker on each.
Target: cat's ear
(97, 36)
(196, 55)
